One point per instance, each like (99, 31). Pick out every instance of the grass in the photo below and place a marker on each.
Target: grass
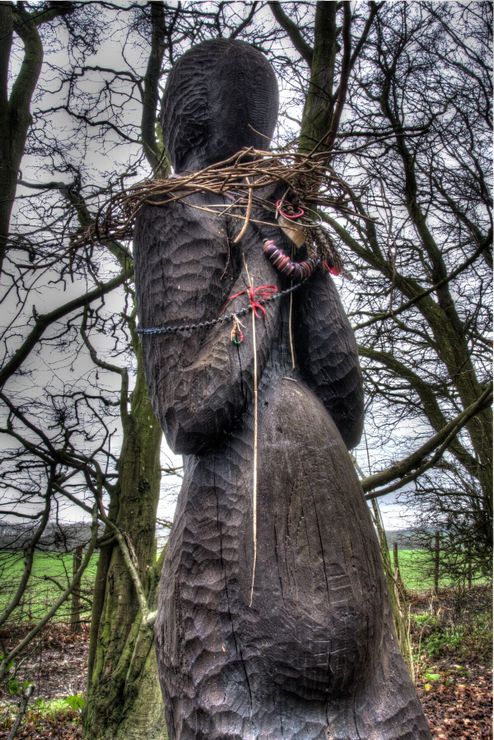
(416, 570)
(52, 572)
(50, 575)
(54, 707)
(47, 718)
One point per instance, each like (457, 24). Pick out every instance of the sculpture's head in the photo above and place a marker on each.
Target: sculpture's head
(221, 96)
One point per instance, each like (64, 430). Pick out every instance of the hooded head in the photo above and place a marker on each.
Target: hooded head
(221, 96)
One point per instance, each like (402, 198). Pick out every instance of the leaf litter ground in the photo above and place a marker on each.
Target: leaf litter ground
(455, 687)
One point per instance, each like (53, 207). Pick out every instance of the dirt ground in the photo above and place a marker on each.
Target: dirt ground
(56, 662)
(461, 705)
(458, 704)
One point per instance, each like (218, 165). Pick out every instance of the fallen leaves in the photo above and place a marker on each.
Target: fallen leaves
(458, 705)
(456, 696)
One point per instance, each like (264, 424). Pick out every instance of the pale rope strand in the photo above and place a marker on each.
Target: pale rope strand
(254, 468)
(290, 332)
(254, 456)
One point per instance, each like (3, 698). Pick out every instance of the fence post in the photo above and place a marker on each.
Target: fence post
(75, 611)
(397, 573)
(436, 562)
(396, 562)
(469, 572)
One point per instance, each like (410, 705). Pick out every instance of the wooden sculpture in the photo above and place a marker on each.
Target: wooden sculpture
(273, 617)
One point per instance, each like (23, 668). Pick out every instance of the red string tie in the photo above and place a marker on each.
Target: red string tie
(290, 216)
(333, 269)
(262, 293)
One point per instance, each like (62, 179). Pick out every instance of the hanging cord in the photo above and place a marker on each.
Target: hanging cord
(258, 311)
(254, 458)
(248, 212)
(260, 301)
(257, 297)
(290, 332)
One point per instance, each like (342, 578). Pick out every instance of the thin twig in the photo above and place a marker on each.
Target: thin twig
(248, 212)
(22, 711)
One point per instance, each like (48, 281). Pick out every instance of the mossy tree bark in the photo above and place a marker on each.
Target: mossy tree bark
(397, 597)
(319, 103)
(124, 699)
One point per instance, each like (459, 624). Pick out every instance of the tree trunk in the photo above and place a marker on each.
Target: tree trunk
(124, 699)
(397, 596)
(15, 117)
(318, 108)
(469, 572)
(75, 611)
(146, 720)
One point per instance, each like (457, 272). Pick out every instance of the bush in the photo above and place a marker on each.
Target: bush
(460, 628)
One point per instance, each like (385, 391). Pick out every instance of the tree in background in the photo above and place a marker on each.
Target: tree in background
(413, 144)
(89, 437)
(419, 157)
(399, 95)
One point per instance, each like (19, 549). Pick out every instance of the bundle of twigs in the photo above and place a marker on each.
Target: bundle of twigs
(307, 177)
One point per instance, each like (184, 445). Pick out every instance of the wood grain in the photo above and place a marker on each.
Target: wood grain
(315, 656)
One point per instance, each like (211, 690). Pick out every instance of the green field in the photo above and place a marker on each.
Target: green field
(416, 570)
(52, 571)
(50, 576)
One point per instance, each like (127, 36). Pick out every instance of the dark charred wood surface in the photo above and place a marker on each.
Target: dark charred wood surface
(315, 655)
(220, 97)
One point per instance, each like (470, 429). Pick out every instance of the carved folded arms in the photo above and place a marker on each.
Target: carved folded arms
(222, 96)
(201, 383)
(186, 270)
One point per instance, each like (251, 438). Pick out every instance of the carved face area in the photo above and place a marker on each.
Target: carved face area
(221, 96)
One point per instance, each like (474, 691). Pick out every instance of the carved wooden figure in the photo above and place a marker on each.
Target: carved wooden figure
(273, 619)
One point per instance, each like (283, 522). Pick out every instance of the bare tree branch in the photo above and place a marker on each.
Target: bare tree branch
(415, 462)
(293, 31)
